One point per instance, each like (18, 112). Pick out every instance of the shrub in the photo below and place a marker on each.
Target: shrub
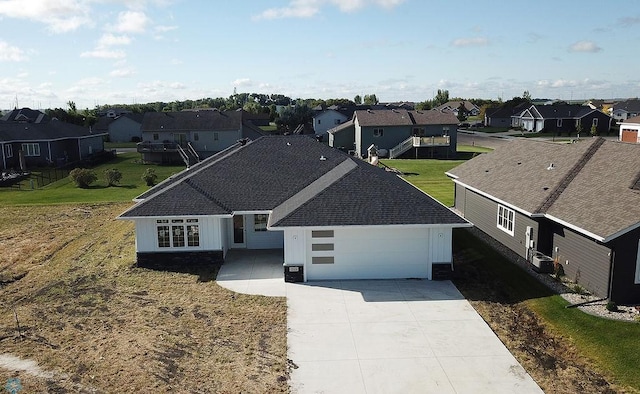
(150, 176)
(113, 176)
(612, 306)
(578, 289)
(82, 177)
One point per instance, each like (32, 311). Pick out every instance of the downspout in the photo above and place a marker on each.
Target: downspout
(49, 147)
(79, 150)
(4, 159)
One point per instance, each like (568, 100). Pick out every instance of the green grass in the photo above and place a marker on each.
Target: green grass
(613, 345)
(428, 175)
(270, 129)
(65, 191)
(114, 145)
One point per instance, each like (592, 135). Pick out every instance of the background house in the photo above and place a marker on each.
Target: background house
(123, 128)
(623, 110)
(402, 133)
(335, 217)
(330, 118)
(576, 203)
(630, 130)
(470, 109)
(190, 136)
(42, 141)
(562, 118)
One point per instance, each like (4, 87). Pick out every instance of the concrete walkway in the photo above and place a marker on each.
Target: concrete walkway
(381, 336)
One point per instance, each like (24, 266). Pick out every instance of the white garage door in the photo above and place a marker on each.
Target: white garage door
(370, 253)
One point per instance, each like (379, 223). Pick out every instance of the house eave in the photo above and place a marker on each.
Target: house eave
(366, 226)
(502, 202)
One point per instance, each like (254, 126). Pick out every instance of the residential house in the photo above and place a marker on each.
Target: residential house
(113, 112)
(501, 116)
(331, 117)
(630, 130)
(192, 135)
(559, 118)
(335, 217)
(399, 132)
(470, 109)
(578, 204)
(626, 109)
(124, 128)
(29, 138)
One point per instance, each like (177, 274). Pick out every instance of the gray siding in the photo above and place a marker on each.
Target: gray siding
(482, 212)
(124, 129)
(583, 260)
(343, 140)
(460, 198)
(391, 136)
(624, 289)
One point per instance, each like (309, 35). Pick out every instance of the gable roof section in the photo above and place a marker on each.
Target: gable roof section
(50, 131)
(634, 120)
(303, 182)
(192, 121)
(589, 187)
(25, 115)
(433, 118)
(342, 126)
(631, 105)
(383, 117)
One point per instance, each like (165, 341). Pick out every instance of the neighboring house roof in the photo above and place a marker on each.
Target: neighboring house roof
(631, 105)
(402, 117)
(587, 185)
(25, 115)
(635, 119)
(50, 131)
(505, 111)
(455, 104)
(343, 126)
(301, 181)
(563, 111)
(192, 121)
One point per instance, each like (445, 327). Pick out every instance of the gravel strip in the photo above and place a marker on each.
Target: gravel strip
(595, 306)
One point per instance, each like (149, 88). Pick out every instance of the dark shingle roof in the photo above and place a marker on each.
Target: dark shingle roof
(402, 117)
(192, 120)
(303, 182)
(635, 119)
(25, 115)
(631, 105)
(589, 186)
(49, 131)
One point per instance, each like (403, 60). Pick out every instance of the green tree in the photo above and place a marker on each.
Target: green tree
(357, 99)
(291, 117)
(462, 112)
(594, 130)
(441, 97)
(113, 176)
(526, 96)
(150, 177)
(83, 177)
(370, 99)
(423, 105)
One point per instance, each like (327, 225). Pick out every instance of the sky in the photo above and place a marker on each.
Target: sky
(98, 52)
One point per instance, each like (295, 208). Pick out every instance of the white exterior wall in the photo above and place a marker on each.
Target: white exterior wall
(629, 126)
(210, 235)
(326, 120)
(371, 252)
(262, 239)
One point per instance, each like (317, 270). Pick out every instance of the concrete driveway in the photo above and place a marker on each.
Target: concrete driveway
(382, 336)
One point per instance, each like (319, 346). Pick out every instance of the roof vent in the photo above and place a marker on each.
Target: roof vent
(322, 158)
(551, 166)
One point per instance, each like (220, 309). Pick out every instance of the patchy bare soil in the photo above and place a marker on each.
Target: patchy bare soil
(551, 361)
(93, 322)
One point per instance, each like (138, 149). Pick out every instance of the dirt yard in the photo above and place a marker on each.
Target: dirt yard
(90, 321)
(550, 359)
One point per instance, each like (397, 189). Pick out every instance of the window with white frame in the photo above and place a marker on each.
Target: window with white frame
(178, 233)
(638, 264)
(8, 151)
(506, 219)
(378, 132)
(31, 149)
(260, 222)
(559, 123)
(595, 122)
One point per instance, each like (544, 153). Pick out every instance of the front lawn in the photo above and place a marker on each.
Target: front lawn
(65, 191)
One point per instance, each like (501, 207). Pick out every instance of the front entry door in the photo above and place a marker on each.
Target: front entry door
(238, 232)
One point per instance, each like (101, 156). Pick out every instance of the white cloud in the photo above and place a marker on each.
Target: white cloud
(470, 42)
(59, 15)
(164, 29)
(10, 53)
(122, 72)
(584, 46)
(109, 39)
(104, 53)
(241, 82)
(309, 8)
(131, 22)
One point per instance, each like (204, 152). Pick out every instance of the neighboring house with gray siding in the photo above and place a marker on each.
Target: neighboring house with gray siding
(124, 128)
(402, 133)
(576, 203)
(43, 141)
(171, 137)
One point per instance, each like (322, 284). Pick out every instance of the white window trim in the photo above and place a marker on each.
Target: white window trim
(260, 226)
(637, 281)
(595, 122)
(185, 223)
(502, 218)
(31, 149)
(9, 151)
(559, 123)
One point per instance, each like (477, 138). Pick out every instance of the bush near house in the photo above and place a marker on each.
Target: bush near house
(83, 177)
(113, 176)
